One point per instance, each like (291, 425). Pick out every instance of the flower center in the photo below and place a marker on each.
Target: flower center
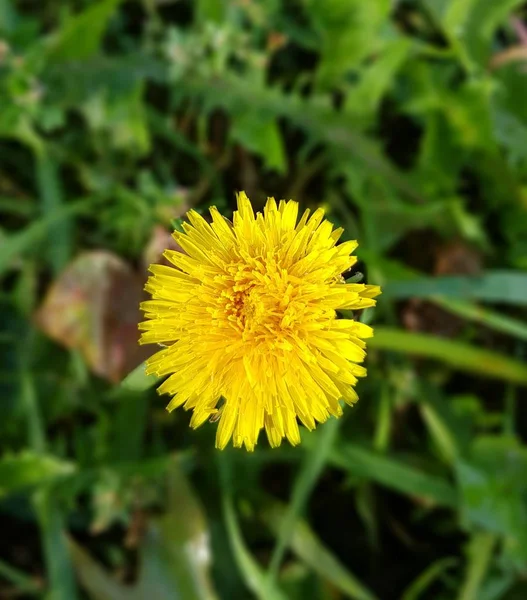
(259, 302)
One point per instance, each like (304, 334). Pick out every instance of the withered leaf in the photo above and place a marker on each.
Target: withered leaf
(93, 307)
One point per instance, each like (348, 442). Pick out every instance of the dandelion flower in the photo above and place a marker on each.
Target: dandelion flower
(248, 317)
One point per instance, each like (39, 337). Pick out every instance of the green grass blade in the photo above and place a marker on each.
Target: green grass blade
(458, 355)
(51, 520)
(59, 234)
(29, 402)
(488, 318)
(492, 286)
(252, 573)
(394, 474)
(307, 546)
(49, 515)
(479, 558)
(442, 435)
(418, 587)
(250, 570)
(310, 470)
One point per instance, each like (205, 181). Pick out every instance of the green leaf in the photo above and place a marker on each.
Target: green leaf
(473, 24)
(120, 118)
(493, 484)
(261, 136)
(375, 80)
(314, 116)
(455, 354)
(211, 10)
(29, 469)
(394, 474)
(81, 36)
(307, 546)
(349, 31)
(70, 84)
(508, 287)
(356, 278)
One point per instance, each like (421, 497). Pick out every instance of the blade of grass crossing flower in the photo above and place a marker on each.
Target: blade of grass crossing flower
(394, 474)
(480, 552)
(307, 546)
(138, 380)
(250, 570)
(59, 234)
(479, 314)
(456, 354)
(310, 470)
(418, 587)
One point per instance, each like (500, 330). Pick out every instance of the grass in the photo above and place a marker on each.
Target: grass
(406, 121)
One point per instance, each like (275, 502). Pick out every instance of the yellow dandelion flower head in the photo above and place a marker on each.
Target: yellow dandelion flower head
(248, 314)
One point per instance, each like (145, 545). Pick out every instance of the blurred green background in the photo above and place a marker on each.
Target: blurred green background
(407, 121)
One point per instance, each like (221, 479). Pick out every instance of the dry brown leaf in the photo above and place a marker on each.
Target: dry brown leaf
(93, 307)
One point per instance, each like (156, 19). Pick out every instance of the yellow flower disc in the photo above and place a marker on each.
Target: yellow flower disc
(248, 314)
